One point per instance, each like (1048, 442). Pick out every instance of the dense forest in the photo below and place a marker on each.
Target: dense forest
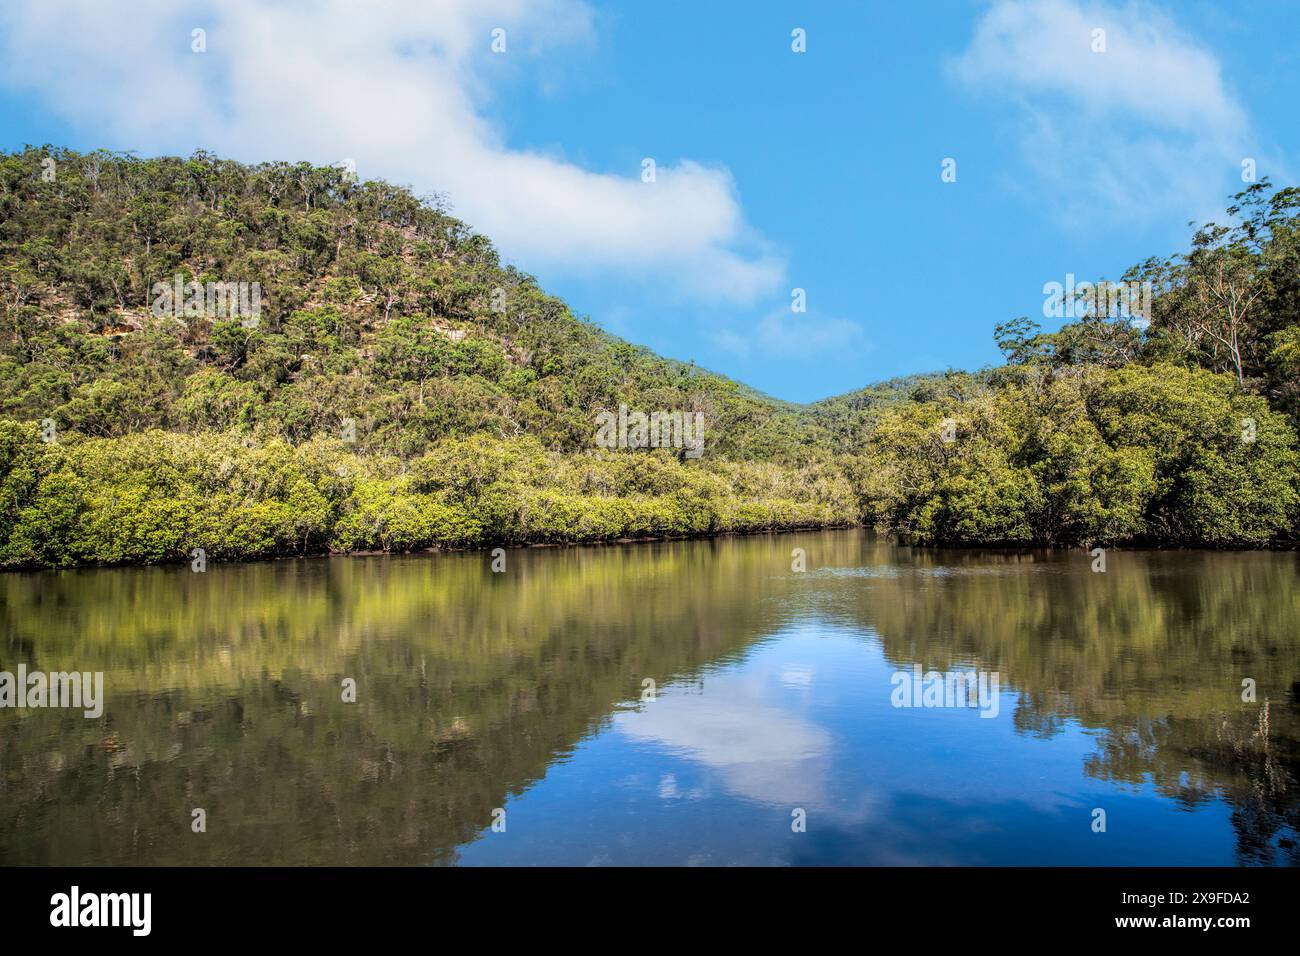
(401, 389)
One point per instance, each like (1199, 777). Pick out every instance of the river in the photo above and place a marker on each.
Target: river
(687, 702)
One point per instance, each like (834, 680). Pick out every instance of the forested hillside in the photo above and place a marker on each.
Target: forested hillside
(401, 389)
(1178, 428)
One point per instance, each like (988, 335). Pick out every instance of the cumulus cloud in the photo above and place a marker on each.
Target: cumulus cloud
(758, 751)
(401, 87)
(1146, 127)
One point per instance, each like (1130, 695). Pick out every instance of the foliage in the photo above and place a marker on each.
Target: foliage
(402, 389)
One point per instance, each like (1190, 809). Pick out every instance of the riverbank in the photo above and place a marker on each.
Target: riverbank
(161, 497)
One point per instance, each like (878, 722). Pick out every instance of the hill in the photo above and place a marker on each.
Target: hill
(205, 359)
(398, 387)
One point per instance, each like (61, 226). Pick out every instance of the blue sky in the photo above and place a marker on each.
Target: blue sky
(774, 169)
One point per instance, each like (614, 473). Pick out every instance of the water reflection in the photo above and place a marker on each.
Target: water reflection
(523, 691)
(756, 750)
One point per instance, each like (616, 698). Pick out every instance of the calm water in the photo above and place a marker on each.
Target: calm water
(523, 691)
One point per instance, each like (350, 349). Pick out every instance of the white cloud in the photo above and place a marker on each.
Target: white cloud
(1146, 128)
(401, 87)
(793, 335)
(758, 751)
